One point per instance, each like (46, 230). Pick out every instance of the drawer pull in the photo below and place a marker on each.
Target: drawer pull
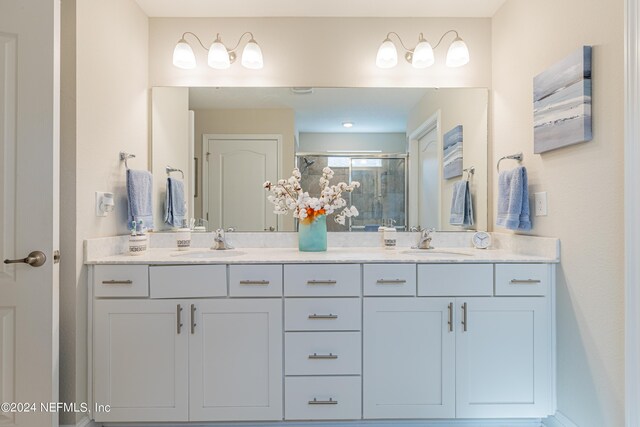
(315, 401)
(323, 316)
(391, 281)
(179, 318)
(193, 319)
(321, 282)
(464, 317)
(323, 356)
(525, 281)
(254, 282)
(450, 322)
(117, 282)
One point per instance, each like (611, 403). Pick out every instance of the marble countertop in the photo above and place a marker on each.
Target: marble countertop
(333, 255)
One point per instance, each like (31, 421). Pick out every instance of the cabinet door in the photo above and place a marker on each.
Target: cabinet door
(503, 358)
(140, 360)
(235, 352)
(408, 355)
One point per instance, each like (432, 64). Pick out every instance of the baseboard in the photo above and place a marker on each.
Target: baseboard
(559, 420)
(372, 423)
(85, 422)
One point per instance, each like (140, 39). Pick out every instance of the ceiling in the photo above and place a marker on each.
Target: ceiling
(324, 110)
(317, 8)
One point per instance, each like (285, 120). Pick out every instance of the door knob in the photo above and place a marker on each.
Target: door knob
(34, 259)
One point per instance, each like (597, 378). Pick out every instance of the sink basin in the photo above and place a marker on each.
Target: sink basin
(436, 252)
(209, 254)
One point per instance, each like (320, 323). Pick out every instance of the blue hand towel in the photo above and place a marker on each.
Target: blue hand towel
(461, 205)
(140, 198)
(513, 200)
(175, 210)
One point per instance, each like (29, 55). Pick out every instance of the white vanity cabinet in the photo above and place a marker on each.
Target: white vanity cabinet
(192, 359)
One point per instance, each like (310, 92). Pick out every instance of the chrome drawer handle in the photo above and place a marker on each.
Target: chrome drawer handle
(323, 356)
(524, 282)
(179, 318)
(391, 281)
(117, 282)
(323, 316)
(254, 282)
(315, 401)
(321, 282)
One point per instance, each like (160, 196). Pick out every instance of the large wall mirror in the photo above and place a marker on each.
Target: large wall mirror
(408, 147)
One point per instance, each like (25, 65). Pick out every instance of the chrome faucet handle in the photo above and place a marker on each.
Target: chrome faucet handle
(219, 241)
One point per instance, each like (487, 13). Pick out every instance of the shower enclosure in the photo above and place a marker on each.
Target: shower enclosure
(382, 196)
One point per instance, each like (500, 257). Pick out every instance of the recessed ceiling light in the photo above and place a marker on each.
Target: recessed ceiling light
(347, 124)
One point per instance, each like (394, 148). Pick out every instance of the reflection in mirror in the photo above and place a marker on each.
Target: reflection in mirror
(389, 139)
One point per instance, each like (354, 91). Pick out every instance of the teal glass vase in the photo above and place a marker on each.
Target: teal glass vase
(312, 236)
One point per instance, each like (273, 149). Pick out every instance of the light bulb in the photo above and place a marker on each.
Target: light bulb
(387, 55)
(458, 54)
(422, 55)
(183, 56)
(252, 56)
(218, 56)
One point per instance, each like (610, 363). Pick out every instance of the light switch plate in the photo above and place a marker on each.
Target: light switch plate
(541, 203)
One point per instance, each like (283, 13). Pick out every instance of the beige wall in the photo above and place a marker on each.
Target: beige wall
(469, 108)
(254, 121)
(170, 145)
(331, 52)
(584, 185)
(111, 114)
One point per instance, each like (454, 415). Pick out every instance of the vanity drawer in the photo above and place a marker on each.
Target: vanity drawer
(322, 353)
(389, 280)
(320, 280)
(522, 279)
(455, 280)
(255, 280)
(121, 281)
(188, 281)
(322, 314)
(322, 398)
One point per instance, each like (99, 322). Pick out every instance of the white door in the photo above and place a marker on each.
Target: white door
(408, 355)
(236, 170)
(29, 220)
(429, 181)
(235, 360)
(141, 360)
(502, 358)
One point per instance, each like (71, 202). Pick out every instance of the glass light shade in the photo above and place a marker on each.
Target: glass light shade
(458, 54)
(218, 56)
(422, 55)
(183, 56)
(252, 56)
(387, 55)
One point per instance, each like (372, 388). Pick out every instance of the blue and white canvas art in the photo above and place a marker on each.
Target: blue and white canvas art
(562, 103)
(452, 158)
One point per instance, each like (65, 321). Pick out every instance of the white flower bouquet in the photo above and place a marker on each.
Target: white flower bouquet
(287, 195)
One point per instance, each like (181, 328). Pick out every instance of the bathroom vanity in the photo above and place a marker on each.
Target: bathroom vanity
(273, 334)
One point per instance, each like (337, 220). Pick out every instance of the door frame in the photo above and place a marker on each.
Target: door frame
(234, 136)
(632, 212)
(413, 167)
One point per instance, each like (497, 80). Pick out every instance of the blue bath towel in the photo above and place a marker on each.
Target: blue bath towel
(140, 198)
(461, 206)
(175, 210)
(513, 200)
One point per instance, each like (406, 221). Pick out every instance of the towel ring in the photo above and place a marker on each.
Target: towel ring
(169, 169)
(470, 171)
(517, 156)
(124, 156)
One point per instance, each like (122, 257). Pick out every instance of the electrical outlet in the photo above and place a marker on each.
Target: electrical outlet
(541, 203)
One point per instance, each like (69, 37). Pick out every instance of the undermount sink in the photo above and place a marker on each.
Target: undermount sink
(206, 254)
(436, 252)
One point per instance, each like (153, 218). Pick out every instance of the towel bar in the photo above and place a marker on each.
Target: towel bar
(517, 156)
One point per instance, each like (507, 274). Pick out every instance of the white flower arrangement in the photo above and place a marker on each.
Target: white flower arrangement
(287, 195)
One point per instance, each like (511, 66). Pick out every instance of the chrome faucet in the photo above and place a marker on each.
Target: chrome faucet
(425, 239)
(219, 241)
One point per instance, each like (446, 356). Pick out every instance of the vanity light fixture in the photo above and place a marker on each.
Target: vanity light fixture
(220, 57)
(422, 56)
